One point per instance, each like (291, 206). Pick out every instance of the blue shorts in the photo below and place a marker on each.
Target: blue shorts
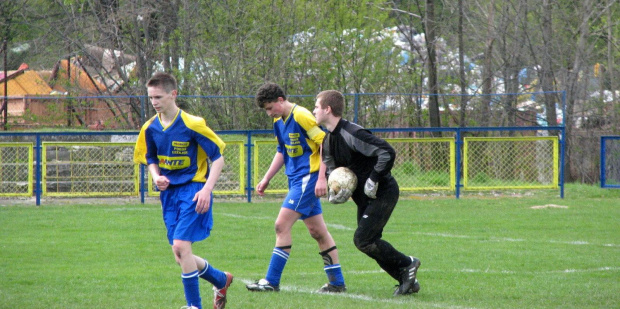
(301, 198)
(180, 216)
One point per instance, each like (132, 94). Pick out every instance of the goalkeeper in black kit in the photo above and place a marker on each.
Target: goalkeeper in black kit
(371, 159)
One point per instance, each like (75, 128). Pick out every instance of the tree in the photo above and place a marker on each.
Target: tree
(462, 81)
(546, 62)
(431, 29)
(611, 54)
(487, 72)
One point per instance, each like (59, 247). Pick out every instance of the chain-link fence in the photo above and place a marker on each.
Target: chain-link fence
(610, 161)
(16, 169)
(101, 163)
(264, 152)
(424, 164)
(517, 163)
(370, 110)
(89, 169)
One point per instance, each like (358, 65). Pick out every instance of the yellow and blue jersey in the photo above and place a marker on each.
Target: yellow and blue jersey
(299, 138)
(181, 149)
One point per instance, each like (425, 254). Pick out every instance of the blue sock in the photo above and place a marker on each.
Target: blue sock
(276, 266)
(213, 275)
(192, 289)
(334, 274)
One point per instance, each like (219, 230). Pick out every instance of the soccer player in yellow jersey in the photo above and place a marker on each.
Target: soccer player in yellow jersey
(299, 141)
(175, 146)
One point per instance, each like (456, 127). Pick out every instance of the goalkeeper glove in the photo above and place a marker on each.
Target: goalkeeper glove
(341, 197)
(370, 188)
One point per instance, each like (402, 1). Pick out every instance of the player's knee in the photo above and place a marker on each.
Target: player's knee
(180, 251)
(365, 248)
(363, 245)
(177, 257)
(316, 233)
(281, 228)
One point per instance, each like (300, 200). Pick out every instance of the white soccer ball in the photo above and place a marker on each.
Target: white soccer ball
(342, 177)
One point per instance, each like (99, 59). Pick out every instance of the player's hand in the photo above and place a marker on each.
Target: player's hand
(261, 186)
(161, 182)
(339, 198)
(370, 188)
(203, 200)
(320, 188)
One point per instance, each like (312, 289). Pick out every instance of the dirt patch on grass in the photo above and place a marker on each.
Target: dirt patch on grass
(549, 206)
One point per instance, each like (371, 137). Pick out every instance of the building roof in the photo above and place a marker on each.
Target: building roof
(71, 76)
(67, 77)
(24, 83)
(74, 76)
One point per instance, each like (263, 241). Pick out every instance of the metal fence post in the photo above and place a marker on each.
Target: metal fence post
(459, 147)
(38, 172)
(248, 185)
(142, 183)
(562, 153)
(602, 156)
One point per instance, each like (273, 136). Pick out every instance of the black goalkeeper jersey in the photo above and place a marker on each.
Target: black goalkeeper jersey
(356, 148)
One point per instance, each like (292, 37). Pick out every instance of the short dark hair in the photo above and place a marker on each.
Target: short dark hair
(268, 93)
(163, 80)
(333, 99)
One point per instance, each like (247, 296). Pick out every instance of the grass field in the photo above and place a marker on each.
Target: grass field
(476, 252)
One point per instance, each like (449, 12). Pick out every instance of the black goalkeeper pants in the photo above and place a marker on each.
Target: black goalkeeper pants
(372, 216)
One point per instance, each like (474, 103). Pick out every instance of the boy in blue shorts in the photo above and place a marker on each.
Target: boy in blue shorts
(176, 146)
(299, 141)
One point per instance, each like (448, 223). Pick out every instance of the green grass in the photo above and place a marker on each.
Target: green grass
(476, 252)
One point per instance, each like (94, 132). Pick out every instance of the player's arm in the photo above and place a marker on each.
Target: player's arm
(307, 121)
(327, 158)
(276, 165)
(146, 150)
(203, 197)
(161, 182)
(372, 146)
(321, 185)
(143, 144)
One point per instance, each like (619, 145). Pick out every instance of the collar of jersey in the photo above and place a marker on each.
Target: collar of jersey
(289, 114)
(171, 122)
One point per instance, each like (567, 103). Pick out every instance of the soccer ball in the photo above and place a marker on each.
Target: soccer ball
(342, 177)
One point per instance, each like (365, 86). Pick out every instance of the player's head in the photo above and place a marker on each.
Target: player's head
(332, 99)
(162, 92)
(269, 93)
(163, 80)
